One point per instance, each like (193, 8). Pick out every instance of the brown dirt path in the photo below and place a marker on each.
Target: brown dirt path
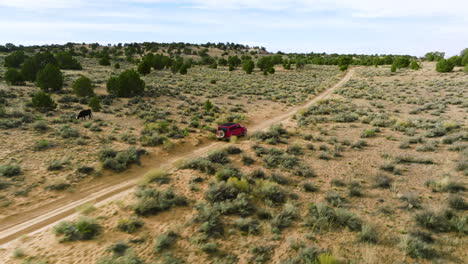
(15, 226)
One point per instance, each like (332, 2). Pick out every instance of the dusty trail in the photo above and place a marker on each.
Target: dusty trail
(35, 220)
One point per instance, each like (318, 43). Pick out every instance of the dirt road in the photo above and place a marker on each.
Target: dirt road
(15, 226)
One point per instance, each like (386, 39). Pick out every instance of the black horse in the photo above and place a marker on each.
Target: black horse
(84, 114)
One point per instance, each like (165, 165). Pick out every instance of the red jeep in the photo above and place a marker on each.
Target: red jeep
(230, 129)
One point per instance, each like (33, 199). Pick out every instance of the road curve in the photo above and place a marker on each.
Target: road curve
(31, 222)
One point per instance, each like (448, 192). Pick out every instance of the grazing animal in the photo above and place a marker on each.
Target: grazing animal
(84, 114)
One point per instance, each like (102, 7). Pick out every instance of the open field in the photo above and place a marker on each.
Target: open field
(374, 172)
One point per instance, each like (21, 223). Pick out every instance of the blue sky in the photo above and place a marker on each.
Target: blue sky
(341, 26)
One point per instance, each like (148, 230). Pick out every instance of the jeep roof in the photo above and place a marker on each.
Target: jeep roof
(227, 124)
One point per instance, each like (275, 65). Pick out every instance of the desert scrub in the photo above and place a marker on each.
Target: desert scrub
(284, 218)
(209, 217)
(335, 199)
(231, 150)
(82, 229)
(278, 178)
(445, 185)
(55, 165)
(390, 167)
(271, 193)
(295, 150)
(248, 226)
(152, 140)
(157, 175)
(457, 202)
(221, 191)
(371, 132)
(442, 221)
(117, 259)
(273, 136)
(10, 170)
(164, 241)
(368, 234)
(382, 181)
(227, 172)
(309, 187)
(201, 164)
(260, 254)
(321, 217)
(417, 248)
(218, 156)
(284, 161)
(247, 160)
(129, 225)
(151, 201)
(66, 132)
(42, 145)
(120, 160)
(40, 126)
(355, 189)
(411, 159)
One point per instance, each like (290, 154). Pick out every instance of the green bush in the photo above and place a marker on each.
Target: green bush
(129, 225)
(15, 59)
(33, 65)
(43, 102)
(66, 131)
(335, 199)
(271, 194)
(151, 201)
(284, 161)
(10, 170)
(261, 254)
(444, 65)
(40, 126)
(278, 178)
(144, 67)
(416, 248)
(210, 218)
(382, 181)
(14, 77)
(119, 248)
(164, 241)
(368, 234)
(445, 185)
(309, 187)
(120, 161)
(209, 248)
(66, 61)
(442, 221)
(248, 66)
(227, 172)
(221, 191)
(246, 160)
(83, 87)
(82, 229)
(284, 218)
(50, 78)
(457, 202)
(127, 84)
(200, 164)
(56, 165)
(218, 156)
(42, 145)
(233, 150)
(414, 65)
(321, 217)
(128, 258)
(248, 226)
(105, 61)
(152, 140)
(95, 104)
